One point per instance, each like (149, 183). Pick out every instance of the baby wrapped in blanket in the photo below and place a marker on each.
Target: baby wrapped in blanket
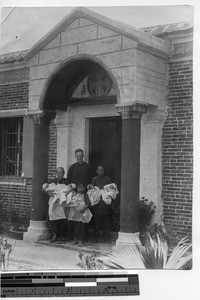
(58, 194)
(77, 204)
(108, 193)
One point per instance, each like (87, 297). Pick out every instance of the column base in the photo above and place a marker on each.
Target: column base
(37, 231)
(126, 238)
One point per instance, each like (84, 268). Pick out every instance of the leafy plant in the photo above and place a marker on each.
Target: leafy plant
(146, 211)
(158, 229)
(5, 250)
(15, 218)
(155, 256)
(2, 201)
(89, 262)
(18, 221)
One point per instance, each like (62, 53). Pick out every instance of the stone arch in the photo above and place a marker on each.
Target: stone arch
(70, 70)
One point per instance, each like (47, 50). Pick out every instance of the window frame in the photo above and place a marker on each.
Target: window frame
(16, 148)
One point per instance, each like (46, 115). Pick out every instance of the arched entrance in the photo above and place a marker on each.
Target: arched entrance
(64, 80)
(76, 94)
(83, 95)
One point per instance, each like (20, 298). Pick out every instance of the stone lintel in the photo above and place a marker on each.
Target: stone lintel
(132, 111)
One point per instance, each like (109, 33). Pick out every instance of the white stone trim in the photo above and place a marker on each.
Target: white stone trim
(13, 66)
(12, 183)
(150, 159)
(13, 113)
(64, 123)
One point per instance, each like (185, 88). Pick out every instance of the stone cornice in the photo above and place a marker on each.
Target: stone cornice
(13, 66)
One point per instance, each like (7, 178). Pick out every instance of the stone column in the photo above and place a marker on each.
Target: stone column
(130, 171)
(40, 152)
(64, 123)
(151, 159)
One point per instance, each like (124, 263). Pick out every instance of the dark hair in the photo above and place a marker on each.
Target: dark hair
(101, 166)
(80, 183)
(61, 169)
(78, 150)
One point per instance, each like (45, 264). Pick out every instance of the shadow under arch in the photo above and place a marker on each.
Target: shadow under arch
(59, 86)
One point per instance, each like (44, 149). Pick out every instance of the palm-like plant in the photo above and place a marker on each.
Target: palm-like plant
(154, 256)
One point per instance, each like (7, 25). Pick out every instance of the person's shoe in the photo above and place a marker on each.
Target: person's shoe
(110, 242)
(54, 240)
(80, 244)
(74, 242)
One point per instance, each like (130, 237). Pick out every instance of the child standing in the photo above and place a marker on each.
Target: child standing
(57, 216)
(79, 213)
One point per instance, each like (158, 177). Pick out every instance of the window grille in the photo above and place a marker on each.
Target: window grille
(11, 136)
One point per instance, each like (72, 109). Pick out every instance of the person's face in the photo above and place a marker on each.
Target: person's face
(100, 171)
(60, 174)
(79, 156)
(80, 189)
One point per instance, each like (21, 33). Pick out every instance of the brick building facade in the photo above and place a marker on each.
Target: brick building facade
(165, 81)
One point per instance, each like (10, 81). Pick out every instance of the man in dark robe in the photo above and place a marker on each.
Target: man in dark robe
(79, 172)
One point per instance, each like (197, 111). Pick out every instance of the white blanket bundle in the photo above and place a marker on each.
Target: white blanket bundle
(108, 193)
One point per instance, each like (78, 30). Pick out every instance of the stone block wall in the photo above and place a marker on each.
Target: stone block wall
(115, 52)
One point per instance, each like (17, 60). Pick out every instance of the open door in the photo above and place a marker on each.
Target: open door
(105, 149)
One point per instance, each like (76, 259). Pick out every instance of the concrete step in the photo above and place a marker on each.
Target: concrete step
(88, 247)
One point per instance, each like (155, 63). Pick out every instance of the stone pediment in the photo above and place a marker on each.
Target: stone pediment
(72, 30)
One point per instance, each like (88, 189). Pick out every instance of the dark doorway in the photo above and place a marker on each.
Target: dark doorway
(105, 146)
(105, 149)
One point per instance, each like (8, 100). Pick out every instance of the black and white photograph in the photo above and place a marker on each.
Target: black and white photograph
(96, 137)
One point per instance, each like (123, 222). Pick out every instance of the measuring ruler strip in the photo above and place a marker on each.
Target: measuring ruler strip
(70, 291)
(71, 284)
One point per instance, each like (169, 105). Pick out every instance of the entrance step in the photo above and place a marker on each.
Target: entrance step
(88, 247)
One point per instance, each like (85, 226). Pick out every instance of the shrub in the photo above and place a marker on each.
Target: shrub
(136, 256)
(2, 217)
(5, 250)
(18, 221)
(146, 211)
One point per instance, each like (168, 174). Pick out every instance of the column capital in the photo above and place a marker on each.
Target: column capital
(42, 117)
(132, 111)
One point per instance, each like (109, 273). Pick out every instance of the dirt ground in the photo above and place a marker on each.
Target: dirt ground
(34, 256)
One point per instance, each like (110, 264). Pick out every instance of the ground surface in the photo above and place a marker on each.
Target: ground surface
(26, 256)
(47, 256)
